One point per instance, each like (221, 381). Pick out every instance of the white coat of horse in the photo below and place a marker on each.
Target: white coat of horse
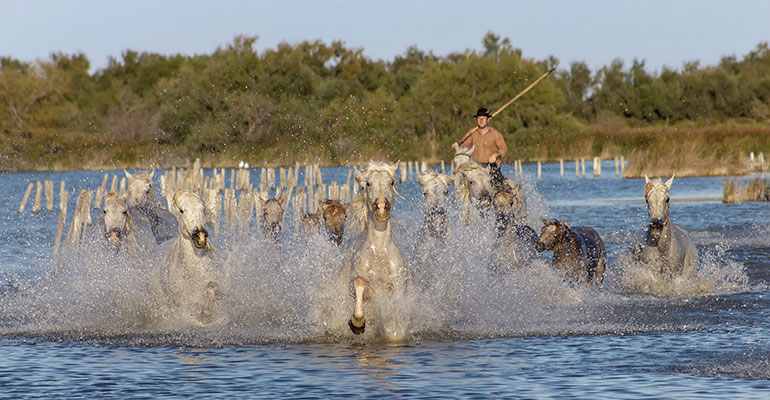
(144, 208)
(376, 264)
(668, 248)
(189, 274)
(116, 228)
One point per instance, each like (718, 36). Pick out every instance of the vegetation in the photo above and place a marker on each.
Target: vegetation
(318, 102)
(755, 190)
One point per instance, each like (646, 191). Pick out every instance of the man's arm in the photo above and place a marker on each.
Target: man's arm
(502, 149)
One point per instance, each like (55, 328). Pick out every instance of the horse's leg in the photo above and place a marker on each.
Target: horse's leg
(208, 308)
(357, 323)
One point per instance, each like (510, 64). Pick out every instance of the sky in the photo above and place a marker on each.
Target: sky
(660, 32)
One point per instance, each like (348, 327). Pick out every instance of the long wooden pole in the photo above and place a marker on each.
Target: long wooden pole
(499, 110)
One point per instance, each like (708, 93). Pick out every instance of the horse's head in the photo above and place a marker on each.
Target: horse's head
(272, 214)
(116, 218)
(462, 156)
(310, 223)
(435, 188)
(377, 183)
(190, 211)
(657, 198)
(551, 234)
(476, 184)
(334, 214)
(140, 190)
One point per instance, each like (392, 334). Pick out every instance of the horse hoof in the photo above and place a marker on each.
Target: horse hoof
(357, 329)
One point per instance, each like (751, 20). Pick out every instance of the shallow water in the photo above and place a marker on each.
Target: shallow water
(90, 330)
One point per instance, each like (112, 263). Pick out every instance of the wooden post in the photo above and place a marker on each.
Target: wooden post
(617, 170)
(49, 195)
(26, 197)
(409, 172)
(521, 168)
(622, 165)
(561, 169)
(577, 168)
(583, 167)
(442, 167)
(122, 184)
(64, 197)
(539, 170)
(38, 193)
(597, 172)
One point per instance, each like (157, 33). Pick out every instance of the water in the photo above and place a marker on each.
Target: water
(85, 332)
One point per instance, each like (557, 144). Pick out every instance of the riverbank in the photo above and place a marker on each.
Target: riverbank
(722, 150)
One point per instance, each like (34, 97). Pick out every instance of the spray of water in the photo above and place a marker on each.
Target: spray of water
(292, 290)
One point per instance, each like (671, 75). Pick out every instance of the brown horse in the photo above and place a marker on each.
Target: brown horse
(334, 214)
(578, 252)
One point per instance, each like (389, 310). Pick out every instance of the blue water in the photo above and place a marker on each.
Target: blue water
(528, 336)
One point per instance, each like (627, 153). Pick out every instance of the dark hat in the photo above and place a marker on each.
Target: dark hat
(483, 112)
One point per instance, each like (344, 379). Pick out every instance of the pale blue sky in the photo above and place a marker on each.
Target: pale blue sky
(663, 32)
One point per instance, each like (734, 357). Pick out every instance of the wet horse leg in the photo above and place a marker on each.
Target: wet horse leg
(357, 323)
(208, 308)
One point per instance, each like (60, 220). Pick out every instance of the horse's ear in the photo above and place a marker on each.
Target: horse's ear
(646, 179)
(545, 221)
(565, 224)
(358, 176)
(422, 179)
(152, 174)
(285, 197)
(670, 182)
(128, 174)
(393, 167)
(345, 206)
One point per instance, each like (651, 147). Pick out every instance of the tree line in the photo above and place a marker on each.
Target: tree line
(314, 101)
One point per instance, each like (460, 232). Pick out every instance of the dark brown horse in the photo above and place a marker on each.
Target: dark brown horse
(578, 252)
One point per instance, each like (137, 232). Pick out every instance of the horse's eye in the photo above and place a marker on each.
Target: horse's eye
(104, 211)
(125, 212)
(667, 199)
(392, 183)
(181, 211)
(368, 184)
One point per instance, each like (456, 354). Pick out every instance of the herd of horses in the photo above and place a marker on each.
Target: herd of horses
(374, 264)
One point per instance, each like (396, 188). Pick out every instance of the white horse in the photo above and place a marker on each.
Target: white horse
(376, 263)
(668, 248)
(116, 228)
(272, 214)
(475, 189)
(190, 272)
(435, 188)
(146, 211)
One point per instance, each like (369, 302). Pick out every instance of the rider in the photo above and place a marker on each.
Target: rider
(490, 146)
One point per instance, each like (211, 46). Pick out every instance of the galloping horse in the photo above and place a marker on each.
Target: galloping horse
(578, 252)
(189, 272)
(117, 228)
(334, 214)
(516, 243)
(668, 247)
(141, 203)
(376, 263)
(272, 214)
(435, 188)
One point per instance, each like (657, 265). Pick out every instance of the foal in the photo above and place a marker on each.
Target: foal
(578, 252)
